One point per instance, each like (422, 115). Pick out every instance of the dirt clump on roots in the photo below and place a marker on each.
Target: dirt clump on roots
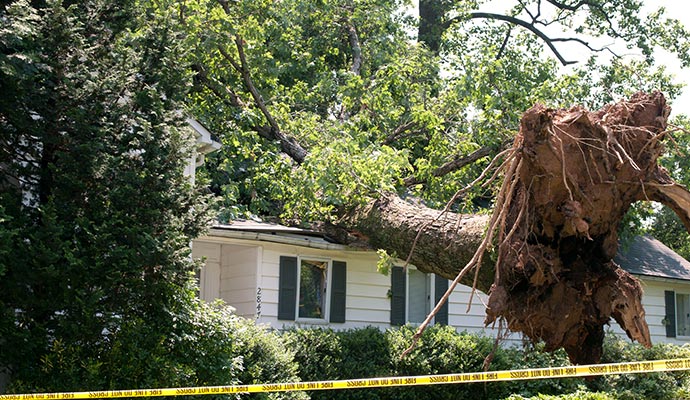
(573, 176)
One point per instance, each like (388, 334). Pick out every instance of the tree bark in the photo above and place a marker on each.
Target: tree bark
(432, 240)
(431, 26)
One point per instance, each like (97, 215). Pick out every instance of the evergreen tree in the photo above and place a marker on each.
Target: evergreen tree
(96, 216)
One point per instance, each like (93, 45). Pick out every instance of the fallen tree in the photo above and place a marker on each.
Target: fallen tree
(569, 179)
(330, 118)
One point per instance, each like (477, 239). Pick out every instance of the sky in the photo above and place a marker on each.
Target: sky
(678, 9)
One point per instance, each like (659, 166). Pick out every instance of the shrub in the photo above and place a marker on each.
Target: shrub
(658, 385)
(364, 355)
(579, 395)
(440, 350)
(317, 353)
(323, 354)
(533, 356)
(197, 344)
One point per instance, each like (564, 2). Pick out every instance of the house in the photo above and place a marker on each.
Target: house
(288, 277)
(665, 278)
(205, 144)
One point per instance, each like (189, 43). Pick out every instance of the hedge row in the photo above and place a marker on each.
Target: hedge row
(211, 346)
(324, 354)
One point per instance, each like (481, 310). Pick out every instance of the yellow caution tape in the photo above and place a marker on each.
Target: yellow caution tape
(471, 377)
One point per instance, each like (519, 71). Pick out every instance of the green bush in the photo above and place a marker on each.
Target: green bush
(211, 346)
(653, 386)
(364, 355)
(534, 356)
(317, 352)
(579, 395)
(198, 344)
(440, 350)
(324, 354)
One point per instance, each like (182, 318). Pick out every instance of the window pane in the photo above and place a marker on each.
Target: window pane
(683, 314)
(418, 299)
(312, 288)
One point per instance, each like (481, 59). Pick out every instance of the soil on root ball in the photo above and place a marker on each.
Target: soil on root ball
(575, 175)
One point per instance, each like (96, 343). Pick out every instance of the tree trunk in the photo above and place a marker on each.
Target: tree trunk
(435, 241)
(431, 15)
(571, 178)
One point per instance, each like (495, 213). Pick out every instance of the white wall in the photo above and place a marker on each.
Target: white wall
(229, 273)
(238, 277)
(367, 302)
(209, 276)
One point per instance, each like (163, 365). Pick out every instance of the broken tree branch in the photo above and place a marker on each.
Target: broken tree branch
(288, 144)
(459, 161)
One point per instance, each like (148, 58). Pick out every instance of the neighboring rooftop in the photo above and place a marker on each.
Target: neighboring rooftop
(649, 257)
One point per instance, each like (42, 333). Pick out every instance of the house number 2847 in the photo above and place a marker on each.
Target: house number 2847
(258, 303)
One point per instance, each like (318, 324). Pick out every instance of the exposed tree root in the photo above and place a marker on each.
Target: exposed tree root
(578, 174)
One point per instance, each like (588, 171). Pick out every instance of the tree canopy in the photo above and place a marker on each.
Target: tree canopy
(325, 103)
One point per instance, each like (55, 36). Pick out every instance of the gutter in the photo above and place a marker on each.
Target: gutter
(273, 238)
(660, 278)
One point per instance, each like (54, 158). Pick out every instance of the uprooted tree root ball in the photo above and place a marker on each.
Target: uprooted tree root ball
(573, 175)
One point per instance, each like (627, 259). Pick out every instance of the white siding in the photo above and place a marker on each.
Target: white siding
(367, 302)
(209, 277)
(229, 273)
(238, 278)
(655, 308)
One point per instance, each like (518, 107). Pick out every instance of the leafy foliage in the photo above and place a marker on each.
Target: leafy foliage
(663, 385)
(374, 111)
(368, 352)
(201, 345)
(97, 214)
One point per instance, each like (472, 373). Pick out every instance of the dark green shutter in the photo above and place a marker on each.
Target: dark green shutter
(440, 288)
(397, 296)
(287, 288)
(338, 285)
(670, 299)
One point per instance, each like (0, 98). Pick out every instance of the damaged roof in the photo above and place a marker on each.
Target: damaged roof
(644, 255)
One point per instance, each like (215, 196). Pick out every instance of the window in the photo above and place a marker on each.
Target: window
(311, 289)
(677, 319)
(414, 294)
(418, 296)
(682, 314)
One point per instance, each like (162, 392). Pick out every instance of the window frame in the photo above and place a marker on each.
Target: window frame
(686, 335)
(399, 297)
(429, 292)
(326, 308)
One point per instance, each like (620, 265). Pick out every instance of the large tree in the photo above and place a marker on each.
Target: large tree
(374, 125)
(96, 215)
